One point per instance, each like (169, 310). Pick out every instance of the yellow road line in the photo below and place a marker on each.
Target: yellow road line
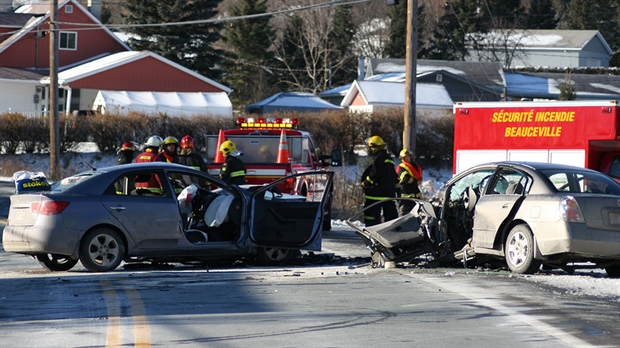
(141, 333)
(115, 335)
(141, 330)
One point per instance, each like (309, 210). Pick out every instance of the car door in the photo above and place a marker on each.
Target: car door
(152, 220)
(497, 204)
(289, 221)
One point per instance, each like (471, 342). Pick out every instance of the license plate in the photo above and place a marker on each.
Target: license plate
(614, 218)
(19, 215)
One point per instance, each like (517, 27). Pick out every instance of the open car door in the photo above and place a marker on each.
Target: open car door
(290, 221)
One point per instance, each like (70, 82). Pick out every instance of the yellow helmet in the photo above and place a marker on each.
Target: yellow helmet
(229, 148)
(405, 152)
(375, 141)
(171, 140)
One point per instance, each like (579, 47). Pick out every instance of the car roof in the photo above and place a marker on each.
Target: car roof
(534, 165)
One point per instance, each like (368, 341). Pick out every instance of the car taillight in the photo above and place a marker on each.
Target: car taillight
(569, 210)
(289, 185)
(48, 207)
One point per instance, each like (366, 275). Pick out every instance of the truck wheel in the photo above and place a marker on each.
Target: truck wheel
(613, 271)
(273, 256)
(55, 262)
(102, 250)
(519, 250)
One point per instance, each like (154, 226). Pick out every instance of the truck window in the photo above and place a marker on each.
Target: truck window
(264, 149)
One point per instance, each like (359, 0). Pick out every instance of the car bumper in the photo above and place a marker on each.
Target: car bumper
(579, 240)
(32, 240)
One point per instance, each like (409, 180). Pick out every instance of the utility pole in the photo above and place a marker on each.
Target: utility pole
(409, 130)
(54, 133)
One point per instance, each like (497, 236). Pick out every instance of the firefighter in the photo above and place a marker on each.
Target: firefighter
(409, 178)
(379, 184)
(169, 151)
(188, 155)
(150, 153)
(233, 170)
(126, 153)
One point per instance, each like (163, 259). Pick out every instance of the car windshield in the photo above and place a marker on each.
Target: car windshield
(573, 181)
(69, 182)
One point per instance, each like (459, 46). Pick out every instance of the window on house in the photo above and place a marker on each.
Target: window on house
(69, 9)
(68, 40)
(439, 77)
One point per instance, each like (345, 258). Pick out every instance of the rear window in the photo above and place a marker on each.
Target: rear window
(67, 183)
(264, 149)
(581, 182)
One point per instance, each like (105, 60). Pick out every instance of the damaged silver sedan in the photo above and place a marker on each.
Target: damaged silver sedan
(525, 214)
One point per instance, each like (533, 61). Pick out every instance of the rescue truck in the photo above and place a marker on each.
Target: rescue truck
(579, 133)
(273, 148)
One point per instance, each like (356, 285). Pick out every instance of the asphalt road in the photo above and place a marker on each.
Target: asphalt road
(347, 304)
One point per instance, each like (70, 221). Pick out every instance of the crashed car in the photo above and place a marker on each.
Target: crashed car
(526, 214)
(105, 216)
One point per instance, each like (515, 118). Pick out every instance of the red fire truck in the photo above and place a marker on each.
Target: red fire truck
(579, 133)
(260, 140)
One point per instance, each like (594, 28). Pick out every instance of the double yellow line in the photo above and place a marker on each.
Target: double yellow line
(141, 333)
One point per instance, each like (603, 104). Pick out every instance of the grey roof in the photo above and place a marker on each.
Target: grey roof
(291, 101)
(484, 73)
(549, 39)
(20, 74)
(546, 85)
(16, 20)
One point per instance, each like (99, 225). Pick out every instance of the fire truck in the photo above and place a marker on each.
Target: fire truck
(579, 133)
(274, 148)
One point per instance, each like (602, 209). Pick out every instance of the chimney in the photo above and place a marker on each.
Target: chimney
(94, 6)
(361, 73)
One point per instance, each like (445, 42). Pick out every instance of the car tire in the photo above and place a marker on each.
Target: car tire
(273, 256)
(519, 250)
(613, 271)
(102, 250)
(55, 262)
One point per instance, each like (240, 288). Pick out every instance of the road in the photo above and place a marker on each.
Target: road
(339, 304)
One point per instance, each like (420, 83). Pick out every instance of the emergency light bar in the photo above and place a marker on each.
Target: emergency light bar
(267, 123)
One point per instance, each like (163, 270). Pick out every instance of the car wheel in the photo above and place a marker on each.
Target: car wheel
(55, 262)
(102, 250)
(273, 256)
(519, 250)
(613, 271)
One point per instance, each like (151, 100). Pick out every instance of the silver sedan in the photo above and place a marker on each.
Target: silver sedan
(161, 212)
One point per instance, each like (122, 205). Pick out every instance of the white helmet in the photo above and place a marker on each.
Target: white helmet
(154, 141)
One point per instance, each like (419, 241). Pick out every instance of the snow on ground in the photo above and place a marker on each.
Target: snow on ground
(583, 283)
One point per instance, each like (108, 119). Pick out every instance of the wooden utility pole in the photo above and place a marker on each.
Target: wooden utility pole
(409, 131)
(54, 133)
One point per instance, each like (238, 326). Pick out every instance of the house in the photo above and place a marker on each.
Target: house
(290, 101)
(464, 81)
(548, 48)
(89, 61)
(368, 96)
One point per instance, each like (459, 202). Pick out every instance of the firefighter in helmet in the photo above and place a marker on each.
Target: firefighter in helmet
(409, 178)
(169, 151)
(233, 170)
(379, 184)
(188, 155)
(150, 153)
(126, 152)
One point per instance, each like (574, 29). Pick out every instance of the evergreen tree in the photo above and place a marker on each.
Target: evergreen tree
(397, 42)
(541, 15)
(248, 57)
(188, 45)
(460, 21)
(342, 64)
(502, 14)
